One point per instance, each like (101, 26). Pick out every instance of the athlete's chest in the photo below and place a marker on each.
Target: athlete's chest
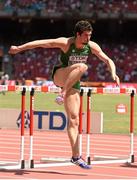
(78, 55)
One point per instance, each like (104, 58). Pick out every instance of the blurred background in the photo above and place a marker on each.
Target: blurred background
(114, 29)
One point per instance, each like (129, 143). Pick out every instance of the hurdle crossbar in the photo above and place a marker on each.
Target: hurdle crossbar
(95, 90)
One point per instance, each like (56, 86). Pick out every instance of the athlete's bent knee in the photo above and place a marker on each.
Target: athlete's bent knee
(73, 121)
(82, 67)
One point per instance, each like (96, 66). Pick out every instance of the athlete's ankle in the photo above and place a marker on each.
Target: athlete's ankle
(80, 162)
(75, 158)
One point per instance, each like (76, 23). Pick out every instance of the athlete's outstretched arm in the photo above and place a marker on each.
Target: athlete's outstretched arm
(47, 43)
(102, 56)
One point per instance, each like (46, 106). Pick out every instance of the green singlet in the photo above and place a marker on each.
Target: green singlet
(73, 56)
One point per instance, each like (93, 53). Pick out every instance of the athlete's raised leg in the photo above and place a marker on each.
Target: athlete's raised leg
(68, 76)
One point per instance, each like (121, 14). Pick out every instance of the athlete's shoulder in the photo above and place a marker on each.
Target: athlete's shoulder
(67, 43)
(94, 46)
(64, 40)
(61, 42)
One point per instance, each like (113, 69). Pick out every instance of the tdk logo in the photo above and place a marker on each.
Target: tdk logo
(57, 120)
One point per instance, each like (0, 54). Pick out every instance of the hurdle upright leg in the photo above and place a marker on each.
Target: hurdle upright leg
(22, 128)
(31, 161)
(88, 124)
(132, 126)
(81, 122)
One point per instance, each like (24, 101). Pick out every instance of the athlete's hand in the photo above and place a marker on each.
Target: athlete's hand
(116, 78)
(14, 50)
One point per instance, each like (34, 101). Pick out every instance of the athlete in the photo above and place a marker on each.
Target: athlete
(73, 64)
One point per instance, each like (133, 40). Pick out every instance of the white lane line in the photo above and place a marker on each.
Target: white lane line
(93, 146)
(66, 150)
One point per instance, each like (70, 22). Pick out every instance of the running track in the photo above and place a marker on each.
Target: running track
(56, 144)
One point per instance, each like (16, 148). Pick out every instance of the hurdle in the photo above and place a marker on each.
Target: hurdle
(61, 161)
(107, 159)
(101, 159)
(66, 161)
(21, 163)
(31, 163)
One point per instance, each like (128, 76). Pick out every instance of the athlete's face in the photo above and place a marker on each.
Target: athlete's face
(85, 37)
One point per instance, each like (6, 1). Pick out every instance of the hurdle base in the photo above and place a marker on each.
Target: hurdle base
(8, 165)
(132, 158)
(88, 160)
(53, 164)
(94, 161)
(31, 163)
(22, 164)
(109, 160)
(55, 160)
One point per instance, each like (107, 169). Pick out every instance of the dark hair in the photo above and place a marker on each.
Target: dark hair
(82, 26)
